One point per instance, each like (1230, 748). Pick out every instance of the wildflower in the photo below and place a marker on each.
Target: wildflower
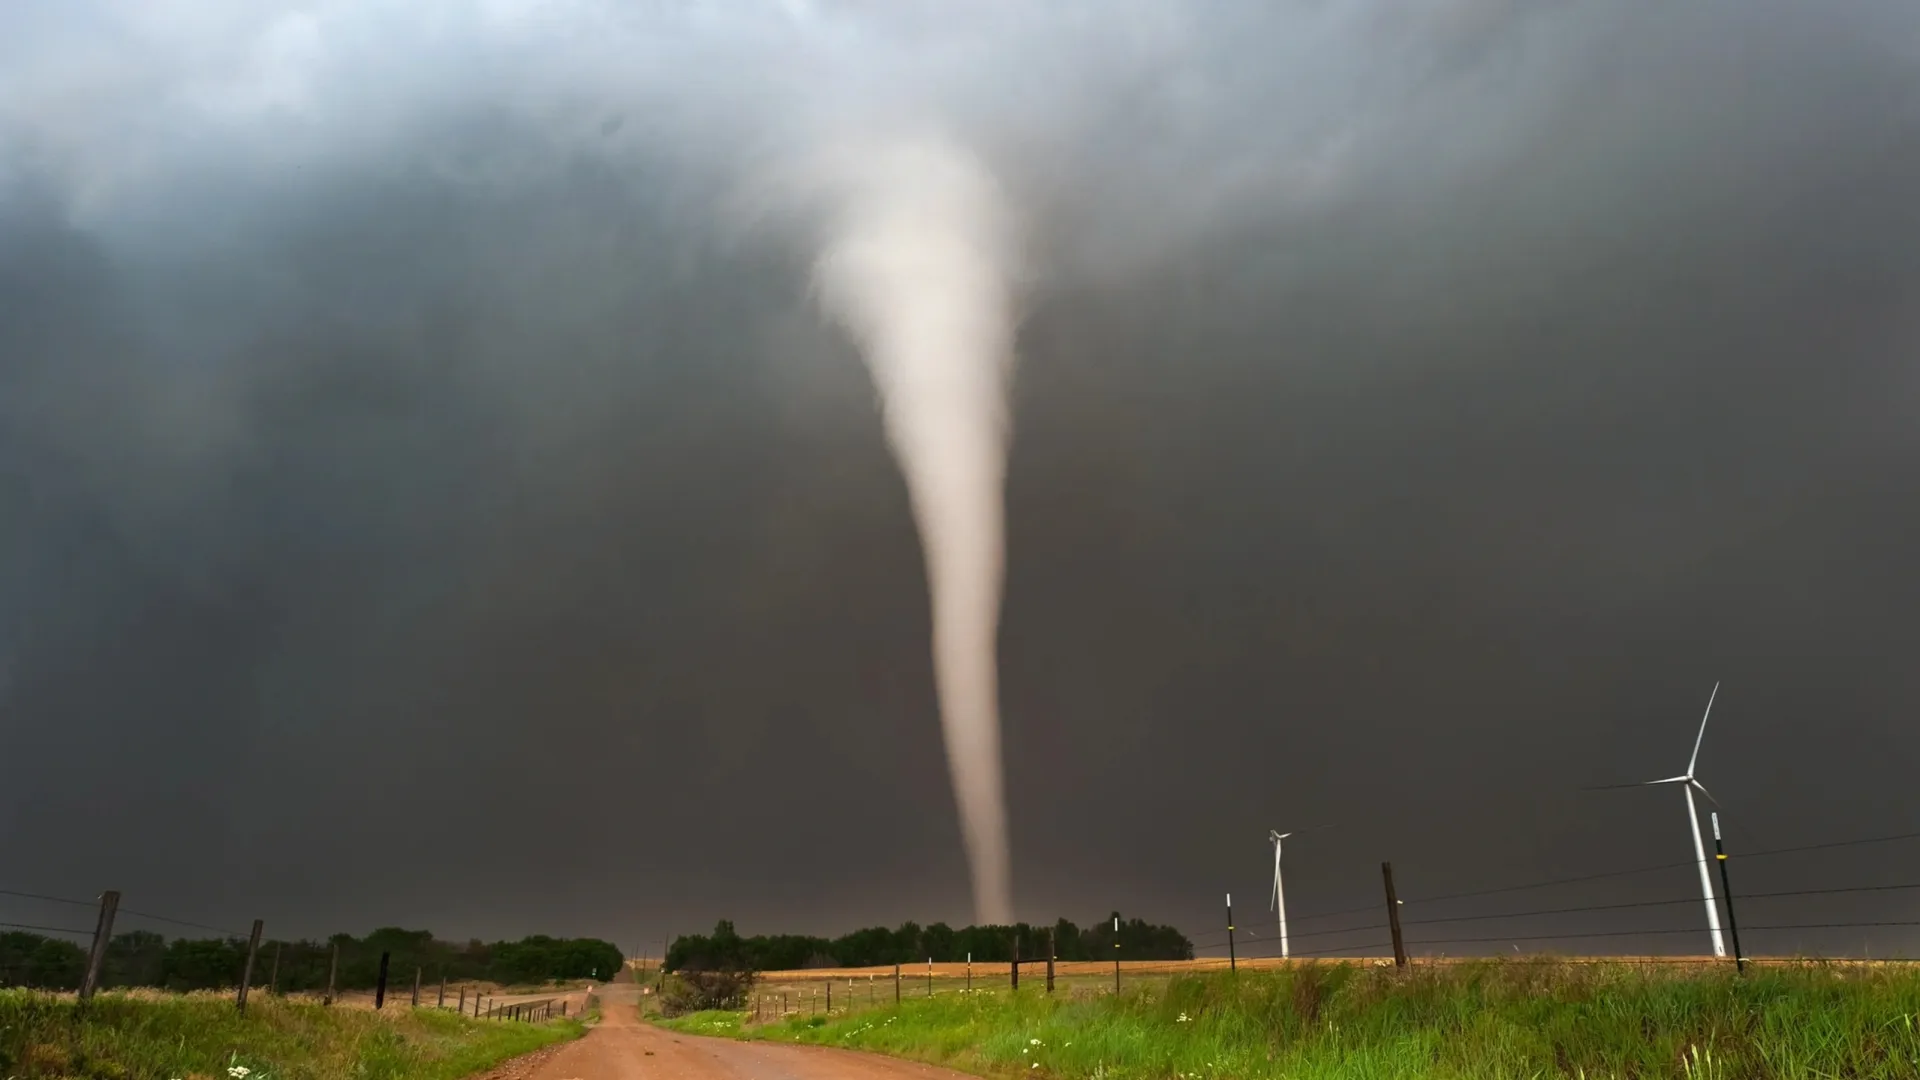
(1182, 1018)
(1035, 1042)
(238, 1072)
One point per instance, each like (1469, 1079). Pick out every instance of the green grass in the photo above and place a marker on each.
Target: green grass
(156, 1037)
(1481, 1020)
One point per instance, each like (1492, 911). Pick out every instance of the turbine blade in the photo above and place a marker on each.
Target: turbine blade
(1639, 784)
(1702, 789)
(1703, 729)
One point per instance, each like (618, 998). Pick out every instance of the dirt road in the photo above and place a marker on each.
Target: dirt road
(624, 1048)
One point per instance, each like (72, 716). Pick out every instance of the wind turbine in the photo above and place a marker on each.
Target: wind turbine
(1277, 900)
(1688, 785)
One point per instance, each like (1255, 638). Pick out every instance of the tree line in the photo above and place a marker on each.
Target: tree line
(726, 950)
(144, 958)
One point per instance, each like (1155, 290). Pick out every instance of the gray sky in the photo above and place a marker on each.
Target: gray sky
(428, 496)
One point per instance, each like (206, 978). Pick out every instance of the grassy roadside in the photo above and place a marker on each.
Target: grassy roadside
(1491, 1020)
(151, 1036)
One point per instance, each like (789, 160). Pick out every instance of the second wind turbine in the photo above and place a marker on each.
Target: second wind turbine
(1278, 898)
(1688, 785)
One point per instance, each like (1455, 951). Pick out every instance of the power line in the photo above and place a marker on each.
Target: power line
(1764, 853)
(1555, 911)
(1550, 884)
(182, 922)
(1833, 844)
(49, 899)
(1744, 897)
(1648, 933)
(46, 929)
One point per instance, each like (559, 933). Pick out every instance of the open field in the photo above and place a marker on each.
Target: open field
(1037, 969)
(461, 997)
(151, 1035)
(1460, 1019)
(833, 991)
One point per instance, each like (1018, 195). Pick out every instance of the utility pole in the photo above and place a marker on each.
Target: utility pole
(102, 934)
(246, 972)
(1726, 890)
(1233, 963)
(1393, 917)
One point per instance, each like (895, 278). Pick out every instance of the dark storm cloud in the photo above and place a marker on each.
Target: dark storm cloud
(425, 495)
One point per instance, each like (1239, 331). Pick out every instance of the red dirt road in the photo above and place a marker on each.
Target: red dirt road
(621, 1047)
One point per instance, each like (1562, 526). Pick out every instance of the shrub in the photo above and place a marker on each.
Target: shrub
(704, 991)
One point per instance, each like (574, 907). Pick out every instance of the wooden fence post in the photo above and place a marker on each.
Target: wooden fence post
(102, 934)
(1393, 917)
(246, 973)
(333, 968)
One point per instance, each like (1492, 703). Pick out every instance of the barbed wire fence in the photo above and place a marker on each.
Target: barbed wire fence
(1377, 932)
(1395, 931)
(110, 916)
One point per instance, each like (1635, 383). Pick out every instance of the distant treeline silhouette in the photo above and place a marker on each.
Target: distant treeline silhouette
(726, 950)
(143, 958)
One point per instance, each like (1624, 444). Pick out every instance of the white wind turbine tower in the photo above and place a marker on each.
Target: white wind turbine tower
(1688, 785)
(1277, 900)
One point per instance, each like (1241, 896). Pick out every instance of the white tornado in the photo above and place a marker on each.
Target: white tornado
(916, 265)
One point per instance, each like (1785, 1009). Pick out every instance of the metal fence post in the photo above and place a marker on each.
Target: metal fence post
(1233, 962)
